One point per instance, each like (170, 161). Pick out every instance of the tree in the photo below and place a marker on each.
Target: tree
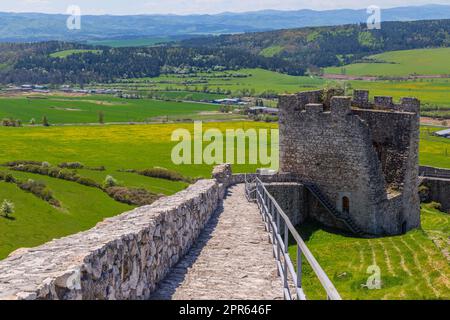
(7, 208)
(101, 117)
(32, 122)
(45, 122)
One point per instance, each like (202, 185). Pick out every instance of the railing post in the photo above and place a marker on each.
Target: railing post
(278, 231)
(274, 233)
(274, 220)
(286, 246)
(276, 251)
(299, 270)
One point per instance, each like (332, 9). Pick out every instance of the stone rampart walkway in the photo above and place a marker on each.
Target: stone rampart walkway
(232, 259)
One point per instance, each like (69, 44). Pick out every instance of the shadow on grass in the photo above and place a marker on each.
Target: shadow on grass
(308, 228)
(8, 218)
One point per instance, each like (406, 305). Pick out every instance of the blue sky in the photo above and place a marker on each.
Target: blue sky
(194, 6)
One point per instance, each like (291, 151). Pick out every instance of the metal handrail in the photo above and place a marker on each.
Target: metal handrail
(274, 217)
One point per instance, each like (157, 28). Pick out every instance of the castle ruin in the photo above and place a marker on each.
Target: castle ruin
(360, 156)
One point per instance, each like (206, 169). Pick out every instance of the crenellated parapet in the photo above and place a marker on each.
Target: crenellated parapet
(359, 151)
(333, 102)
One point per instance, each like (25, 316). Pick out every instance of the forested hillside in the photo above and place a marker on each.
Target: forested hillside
(286, 51)
(328, 46)
(38, 63)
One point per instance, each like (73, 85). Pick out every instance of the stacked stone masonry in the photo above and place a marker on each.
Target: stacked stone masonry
(123, 257)
(363, 155)
(437, 183)
(127, 256)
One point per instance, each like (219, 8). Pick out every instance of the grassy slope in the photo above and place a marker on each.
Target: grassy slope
(38, 222)
(412, 267)
(434, 151)
(271, 51)
(260, 80)
(432, 91)
(66, 53)
(86, 109)
(116, 147)
(401, 63)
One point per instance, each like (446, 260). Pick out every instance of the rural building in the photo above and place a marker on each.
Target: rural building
(230, 101)
(359, 157)
(443, 133)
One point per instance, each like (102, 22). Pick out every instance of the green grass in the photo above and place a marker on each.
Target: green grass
(401, 63)
(60, 110)
(271, 51)
(115, 147)
(66, 53)
(188, 96)
(256, 80)
(434, 151)
(429, 91)
(37, 222)
(412, 266)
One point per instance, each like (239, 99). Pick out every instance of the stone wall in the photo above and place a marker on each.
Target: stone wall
(434, 172)
(366, 152)
(123, 257)
(439, 191)
(291, 198)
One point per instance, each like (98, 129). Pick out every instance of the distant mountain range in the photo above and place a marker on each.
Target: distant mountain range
(18, 27)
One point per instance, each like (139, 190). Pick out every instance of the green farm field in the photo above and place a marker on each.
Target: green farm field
(255, 80)
(115, 147)
(178, 89)
(85, 109)
(434, 151)
(400, 64)
(432, 92)
(66, 53)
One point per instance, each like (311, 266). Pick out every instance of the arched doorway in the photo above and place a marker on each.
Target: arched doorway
(346, 205)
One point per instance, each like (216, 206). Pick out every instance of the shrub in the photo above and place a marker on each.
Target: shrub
(131, 196)
(101, 117)
(45, 121)
(163, 173)
(435, 205)
(71, 165)
(39, 189)
(22, 162)
(9, 122)
(88, 182)
(7, 177)
(110, 182)
(57, 172)
(7, 208)
(100, 168)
